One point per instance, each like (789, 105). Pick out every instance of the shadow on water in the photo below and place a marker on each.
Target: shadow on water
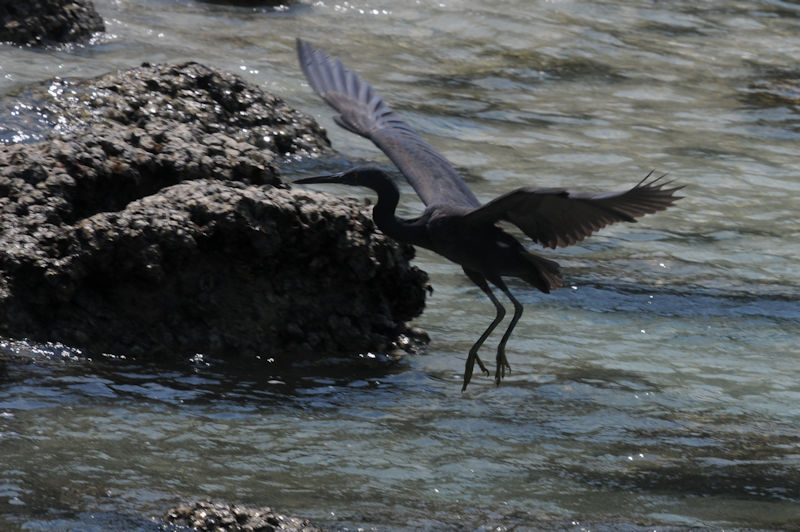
(606, 378)
(687, 302)
(703, 454)
(193, 379)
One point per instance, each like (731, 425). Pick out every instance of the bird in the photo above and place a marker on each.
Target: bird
(454, 223)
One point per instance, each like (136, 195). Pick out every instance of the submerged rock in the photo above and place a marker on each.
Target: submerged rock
(160, 227)
(222, 517)
(36, 22)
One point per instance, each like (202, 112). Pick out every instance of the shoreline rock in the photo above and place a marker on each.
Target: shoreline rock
(209, 516)
(157, 226)
(209, 108)
(223, 517)
(42, 22)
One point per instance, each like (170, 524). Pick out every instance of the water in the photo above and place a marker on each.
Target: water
(661, 385)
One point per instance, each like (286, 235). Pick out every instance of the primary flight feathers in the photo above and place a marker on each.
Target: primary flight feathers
(556, 217)
(363, 112)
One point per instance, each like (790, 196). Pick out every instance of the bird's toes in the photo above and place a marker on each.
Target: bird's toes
(472, 357)
(467, 378)
(481, 365)
(502, 362)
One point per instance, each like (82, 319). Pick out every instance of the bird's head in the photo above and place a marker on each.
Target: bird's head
(363, 176)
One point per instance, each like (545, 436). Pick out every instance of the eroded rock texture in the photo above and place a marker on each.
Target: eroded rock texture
(156, 224)
(36, 22)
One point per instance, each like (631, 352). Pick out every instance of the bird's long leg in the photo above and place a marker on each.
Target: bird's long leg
(502, 361)
(473, 357)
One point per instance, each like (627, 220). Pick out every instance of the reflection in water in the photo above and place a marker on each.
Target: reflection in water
(660, 386)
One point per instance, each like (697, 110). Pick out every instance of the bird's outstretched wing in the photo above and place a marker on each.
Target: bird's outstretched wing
(363, 112)
(556, 217)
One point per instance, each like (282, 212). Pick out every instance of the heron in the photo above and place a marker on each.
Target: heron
(454, 223)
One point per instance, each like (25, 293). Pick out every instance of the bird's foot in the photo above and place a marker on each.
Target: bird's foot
(482, 366)
(502, 367)
(472, 359)
(500, 373)
(467, 378)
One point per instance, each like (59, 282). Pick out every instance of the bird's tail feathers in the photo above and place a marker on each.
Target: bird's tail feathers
(545, 274)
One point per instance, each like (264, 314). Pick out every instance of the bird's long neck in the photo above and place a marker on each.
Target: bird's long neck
(384, 215)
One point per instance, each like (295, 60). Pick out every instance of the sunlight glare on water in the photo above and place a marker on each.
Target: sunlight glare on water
(660, 385)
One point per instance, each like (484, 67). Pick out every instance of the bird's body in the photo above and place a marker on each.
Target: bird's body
(454, 223)
(445, 229)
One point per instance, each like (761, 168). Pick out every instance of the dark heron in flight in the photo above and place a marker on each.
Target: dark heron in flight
(454, 223)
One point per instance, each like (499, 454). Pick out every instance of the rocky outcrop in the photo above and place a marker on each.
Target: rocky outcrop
(221, 517)
(157, 225)
(37, 22)
(201, 108)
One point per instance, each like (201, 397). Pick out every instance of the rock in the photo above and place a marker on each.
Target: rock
(221, 517)
(36, 22)
(157, 226)
(211, 267)
(217, 111)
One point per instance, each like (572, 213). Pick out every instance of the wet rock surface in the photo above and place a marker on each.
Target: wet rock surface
(156, 224)
(222, 517)
(212, 107)
(37, 22)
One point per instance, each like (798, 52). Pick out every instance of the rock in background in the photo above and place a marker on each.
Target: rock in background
(37, 22)
(206, 516)
(155, 224)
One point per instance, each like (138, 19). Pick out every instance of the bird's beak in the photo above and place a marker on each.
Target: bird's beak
(332, 178)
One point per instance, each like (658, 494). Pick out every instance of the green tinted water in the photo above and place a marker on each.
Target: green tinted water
(659, 386)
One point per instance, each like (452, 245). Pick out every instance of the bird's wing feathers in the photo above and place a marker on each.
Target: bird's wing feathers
(559, 218)
(363, 112)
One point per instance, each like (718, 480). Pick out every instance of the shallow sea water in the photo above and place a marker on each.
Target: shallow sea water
(660, 386)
